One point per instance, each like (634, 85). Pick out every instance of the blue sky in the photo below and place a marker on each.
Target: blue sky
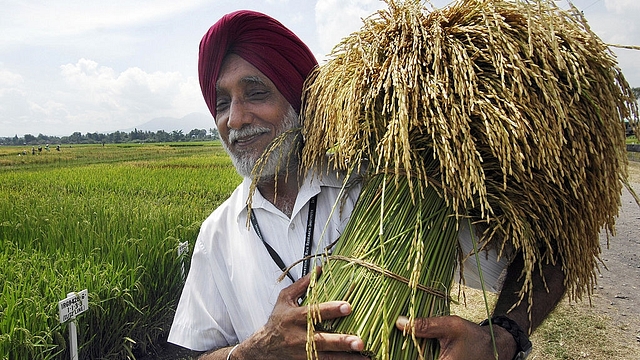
(74, 65)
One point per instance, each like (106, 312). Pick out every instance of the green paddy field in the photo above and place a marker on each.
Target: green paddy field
(108, 219)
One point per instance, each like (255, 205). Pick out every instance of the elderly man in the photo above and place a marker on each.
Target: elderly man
(252, 71)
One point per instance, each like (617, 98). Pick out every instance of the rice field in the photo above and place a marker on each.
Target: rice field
(108, 219)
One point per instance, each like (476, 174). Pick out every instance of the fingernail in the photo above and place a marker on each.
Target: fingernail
(345, 309)
(402, 321)
(354, 343)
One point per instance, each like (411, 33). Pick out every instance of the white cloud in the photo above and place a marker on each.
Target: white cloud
(36, 21)
(189, 98)
(132, 93)
(622, 6)
(9, 79)
(619, 25)
(336, 19)
(92, 97)
(14, 105)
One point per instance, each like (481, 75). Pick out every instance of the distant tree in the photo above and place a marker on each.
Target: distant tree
(161, 136)
(630, 130)
(215, 135)
(197, 134)
(12, 141)
(115, 137)
(135, 135)
(95, 137)
(177, 135)
(43, 139)
(76, 138)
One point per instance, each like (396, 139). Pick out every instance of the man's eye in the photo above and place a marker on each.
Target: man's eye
(257, 94)
(222, 105)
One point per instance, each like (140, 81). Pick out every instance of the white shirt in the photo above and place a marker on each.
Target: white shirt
(232, 285)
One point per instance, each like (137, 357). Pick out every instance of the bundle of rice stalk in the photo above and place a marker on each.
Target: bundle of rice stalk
(363, 274)
(505, 113)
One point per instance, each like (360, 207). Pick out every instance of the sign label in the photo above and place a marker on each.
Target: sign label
(183, 247)
(74, 304)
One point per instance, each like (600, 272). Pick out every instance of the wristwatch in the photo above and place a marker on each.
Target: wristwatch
(522, 340)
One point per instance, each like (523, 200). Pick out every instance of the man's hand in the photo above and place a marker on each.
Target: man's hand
(284, 336)
(462, 339)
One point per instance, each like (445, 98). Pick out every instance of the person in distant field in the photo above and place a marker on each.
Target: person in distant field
(252, 70)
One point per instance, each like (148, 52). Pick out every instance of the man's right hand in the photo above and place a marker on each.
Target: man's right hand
(284, 336)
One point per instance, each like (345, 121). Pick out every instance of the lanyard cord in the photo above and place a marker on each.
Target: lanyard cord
(311, 219)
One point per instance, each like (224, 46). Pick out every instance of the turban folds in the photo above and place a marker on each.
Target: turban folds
(264, 43)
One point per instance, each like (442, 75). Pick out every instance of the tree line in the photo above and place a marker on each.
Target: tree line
(118, 137)
(145, 136)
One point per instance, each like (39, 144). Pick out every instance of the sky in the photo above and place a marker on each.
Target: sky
(101, 66)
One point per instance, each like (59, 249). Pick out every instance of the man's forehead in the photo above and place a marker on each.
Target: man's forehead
(245, 80)
(237, 70)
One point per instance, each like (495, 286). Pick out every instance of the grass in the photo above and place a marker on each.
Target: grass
(108, 219)
(572, 331)
(634, 168)
(12, 157)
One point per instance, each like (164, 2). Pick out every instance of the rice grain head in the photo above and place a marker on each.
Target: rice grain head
(513, 110)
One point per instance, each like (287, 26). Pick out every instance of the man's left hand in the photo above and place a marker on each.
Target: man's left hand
(462, 339)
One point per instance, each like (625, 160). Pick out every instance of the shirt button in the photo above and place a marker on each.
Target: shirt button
(292, 226)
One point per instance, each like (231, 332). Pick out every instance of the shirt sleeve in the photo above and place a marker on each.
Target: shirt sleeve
(202, 320)
(492, 266)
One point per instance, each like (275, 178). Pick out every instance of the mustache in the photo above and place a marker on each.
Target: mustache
(235, 135)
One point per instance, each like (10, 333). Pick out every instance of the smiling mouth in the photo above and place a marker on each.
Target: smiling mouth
(246, 136)
(245, 140)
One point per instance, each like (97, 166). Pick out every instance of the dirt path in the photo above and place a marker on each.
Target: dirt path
(618, 292)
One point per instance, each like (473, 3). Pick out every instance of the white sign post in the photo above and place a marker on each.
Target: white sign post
(183, 247)
(74, 304)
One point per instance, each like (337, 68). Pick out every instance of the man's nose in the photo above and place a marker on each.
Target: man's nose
(239, 115)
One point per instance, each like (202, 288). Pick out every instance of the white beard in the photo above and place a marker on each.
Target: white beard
(284, 157)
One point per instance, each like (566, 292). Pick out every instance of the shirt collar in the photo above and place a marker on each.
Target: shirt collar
(312, 185)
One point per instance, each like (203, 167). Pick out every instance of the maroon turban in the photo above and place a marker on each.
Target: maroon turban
(263, 42)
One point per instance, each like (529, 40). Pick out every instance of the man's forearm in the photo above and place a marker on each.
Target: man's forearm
(545, 298)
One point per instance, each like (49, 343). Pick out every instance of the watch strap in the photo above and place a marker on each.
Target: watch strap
(523, 343)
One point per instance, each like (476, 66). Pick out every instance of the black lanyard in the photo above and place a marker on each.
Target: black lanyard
(311, 218)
